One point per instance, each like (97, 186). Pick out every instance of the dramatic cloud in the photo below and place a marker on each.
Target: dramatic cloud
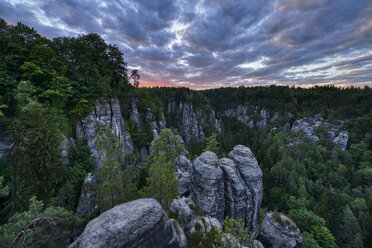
(206, 44)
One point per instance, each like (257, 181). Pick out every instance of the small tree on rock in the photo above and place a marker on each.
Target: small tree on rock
(162, 183)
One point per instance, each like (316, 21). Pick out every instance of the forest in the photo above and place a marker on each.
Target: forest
(47, 86)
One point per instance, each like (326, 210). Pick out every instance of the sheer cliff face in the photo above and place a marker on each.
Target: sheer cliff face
(106, 113)
(192, 120)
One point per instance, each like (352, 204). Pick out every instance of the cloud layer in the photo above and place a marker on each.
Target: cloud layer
(207, 44)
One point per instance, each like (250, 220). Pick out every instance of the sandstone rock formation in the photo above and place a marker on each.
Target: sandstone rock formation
(310, 124)
(185, 210)
(140, 223)
(228, 187)
(277, 230)
(65, 146)
(250, 176)
(193, 120)
(87, 203)
(305, 127)
(250, 116)
(184, 167)
(207, 185)
(106, 113)
(341, 140)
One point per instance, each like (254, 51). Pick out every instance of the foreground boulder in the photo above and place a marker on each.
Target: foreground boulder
(277, 230)
(140, 223)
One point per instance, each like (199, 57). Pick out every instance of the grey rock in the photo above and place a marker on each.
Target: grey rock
(181, 207)
(275, 117)
(251, 178)
(183, 163)
(171, 106)
(279, 234)
(207, 185)
(341, 140)
(184, 167)
(238, 199)
(179, 234)
(304, 126)
(135, 116)
(184, 180)
(331, 135)
(144, 152)
(264, 118)
(241, 114)
(257, 244)
(105, 113)
(149, 115)
(140, 223)
(190, 126)
(87, 203)
(65, 146)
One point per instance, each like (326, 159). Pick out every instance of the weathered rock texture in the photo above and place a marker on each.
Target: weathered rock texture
(106, 113)
(207, 185)
(140, 223)
(184, 209)
(249, 175)
(193, 120)
(184, 167)
(310, 124)
(250, 116)
(65, 146)
(87, 203)
(228, 187)
(279, 231)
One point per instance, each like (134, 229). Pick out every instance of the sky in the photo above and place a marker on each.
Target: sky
(219, 43)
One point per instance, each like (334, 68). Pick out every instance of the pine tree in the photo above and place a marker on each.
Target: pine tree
(4, 190)
(212, 144)
(162, 183)
(110, 175)
(350, 226)
(43, 150)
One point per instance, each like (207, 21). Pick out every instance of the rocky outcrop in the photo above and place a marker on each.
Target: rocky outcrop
(185, 213)
(207, 185)
(249, 175)
(87, 203)
(309, 125)
(251, 116)
(190, 126)
(228, 187)
(341, 140)
(240, 113)
(305, 127)
(140, 223)
(105, 113)
(135, 116)
(277, 230)
(65, 146)
(193, 120)
(184, 167)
